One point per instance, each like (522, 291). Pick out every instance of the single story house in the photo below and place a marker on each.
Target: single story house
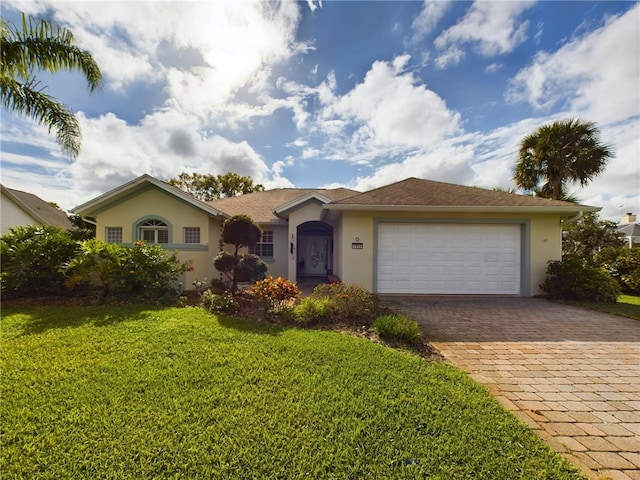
(630, 228)
(414, 236)
(21, 209)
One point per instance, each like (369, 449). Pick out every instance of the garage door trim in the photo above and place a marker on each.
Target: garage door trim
(525, 228)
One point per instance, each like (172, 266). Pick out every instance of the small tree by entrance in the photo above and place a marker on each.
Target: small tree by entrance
(241, 232)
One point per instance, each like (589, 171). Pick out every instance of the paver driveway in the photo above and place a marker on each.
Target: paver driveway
(571, 374)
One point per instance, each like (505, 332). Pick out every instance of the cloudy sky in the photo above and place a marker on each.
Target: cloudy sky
(316, 94)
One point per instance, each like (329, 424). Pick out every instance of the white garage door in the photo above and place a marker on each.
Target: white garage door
(448, 258)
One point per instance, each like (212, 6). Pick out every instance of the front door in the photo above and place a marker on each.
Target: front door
(315, 252)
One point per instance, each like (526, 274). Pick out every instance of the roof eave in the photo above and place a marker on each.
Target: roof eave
(282, 209)
(465, 208)
(23, 205)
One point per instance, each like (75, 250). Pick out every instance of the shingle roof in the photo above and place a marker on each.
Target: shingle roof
(260, 206)
(37, 208)
(418, 192)
(630, 229)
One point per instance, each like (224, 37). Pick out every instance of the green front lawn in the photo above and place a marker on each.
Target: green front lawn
(133, 392)
(627, 306)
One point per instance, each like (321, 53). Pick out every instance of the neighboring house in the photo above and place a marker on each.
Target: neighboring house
(630, 229)
(413, 236)
(20, 209)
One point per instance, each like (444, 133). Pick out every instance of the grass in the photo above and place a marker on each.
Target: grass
(627, 306)
(133, 392)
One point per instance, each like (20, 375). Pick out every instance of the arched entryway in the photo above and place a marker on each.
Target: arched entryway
(315, 250)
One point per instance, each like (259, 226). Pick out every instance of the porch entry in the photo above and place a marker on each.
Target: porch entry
(315, 249)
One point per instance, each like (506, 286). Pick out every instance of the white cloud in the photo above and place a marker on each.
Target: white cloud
(596, 75)
(426, 21)
(493, 28)
(314, 5)
(230, 46)
(389, 108)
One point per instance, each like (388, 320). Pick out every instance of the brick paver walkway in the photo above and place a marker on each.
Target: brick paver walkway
(571, 374)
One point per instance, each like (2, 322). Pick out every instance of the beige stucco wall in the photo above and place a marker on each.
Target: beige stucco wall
(355, 266)
(12, 215)
(155, 203)
(544, 243)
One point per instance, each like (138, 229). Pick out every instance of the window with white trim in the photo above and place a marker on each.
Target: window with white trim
(264, 247)
(153, 231)
(191, 234)
(113, 234)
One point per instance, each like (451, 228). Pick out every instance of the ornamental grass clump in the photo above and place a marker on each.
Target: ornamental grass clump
(351, 303)
(275, 294)
(397, 327)
(312, 310)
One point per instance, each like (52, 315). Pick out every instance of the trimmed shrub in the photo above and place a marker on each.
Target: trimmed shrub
(33, 260)
(275, 294)
(219, 286)
(240, 268)
(351, 303)
(572, 279)
(250, 268)
(144, 269)
(149, 269)
(313, 310)
(397, 327)
(220, 303)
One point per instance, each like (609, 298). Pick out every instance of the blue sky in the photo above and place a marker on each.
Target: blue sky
(317, 94)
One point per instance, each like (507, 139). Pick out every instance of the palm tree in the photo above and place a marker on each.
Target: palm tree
(41, 45)
(560, 152)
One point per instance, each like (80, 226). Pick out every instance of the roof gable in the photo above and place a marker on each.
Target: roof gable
(38, 209)
(123, 192)
(273, 205)
(413, 193)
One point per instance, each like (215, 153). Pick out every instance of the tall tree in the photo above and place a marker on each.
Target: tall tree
(561, 152)
(41, 45)
(212, 187)
(590, 235)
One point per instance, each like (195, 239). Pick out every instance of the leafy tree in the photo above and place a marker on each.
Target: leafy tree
(240, 231)
(560, 152)
(41, 45)
(590, 235)
(32, 260)
(212, 187)
(234, 185)
(84, 230)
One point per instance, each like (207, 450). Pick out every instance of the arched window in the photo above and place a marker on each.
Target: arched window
(153, 231)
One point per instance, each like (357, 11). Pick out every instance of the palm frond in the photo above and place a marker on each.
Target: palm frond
(44, 109)
(41, 45)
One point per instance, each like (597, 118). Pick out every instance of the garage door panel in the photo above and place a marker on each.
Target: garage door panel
(448, 258)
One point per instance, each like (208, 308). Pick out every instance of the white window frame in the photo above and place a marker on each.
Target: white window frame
(156, 228)
(266, 240)
(191, 235)
(113, 234)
